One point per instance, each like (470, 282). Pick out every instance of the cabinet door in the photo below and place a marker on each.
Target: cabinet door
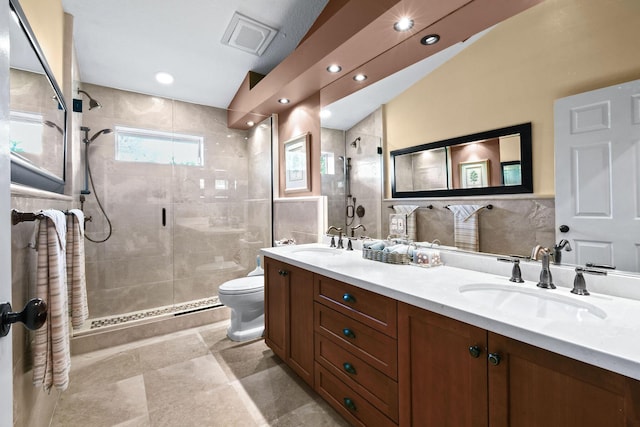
(276, 301)
(533, 387)
(440, 383)
(300, 322)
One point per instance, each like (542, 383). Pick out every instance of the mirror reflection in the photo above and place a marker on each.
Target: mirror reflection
(37, 112)
(453, 100)
(493, 162)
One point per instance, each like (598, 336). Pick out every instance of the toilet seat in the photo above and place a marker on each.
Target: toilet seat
(243, 285)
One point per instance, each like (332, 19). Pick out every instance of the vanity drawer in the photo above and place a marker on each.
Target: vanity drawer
(376, 311)
(347, 402)
(376, 348)
(380, 390)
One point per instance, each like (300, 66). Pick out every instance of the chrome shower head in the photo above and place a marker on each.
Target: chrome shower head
(354, 144)
(92, 102)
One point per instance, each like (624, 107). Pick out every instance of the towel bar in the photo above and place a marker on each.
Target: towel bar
(17, 217)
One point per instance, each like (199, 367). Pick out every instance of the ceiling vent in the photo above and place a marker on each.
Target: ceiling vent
(248, 34)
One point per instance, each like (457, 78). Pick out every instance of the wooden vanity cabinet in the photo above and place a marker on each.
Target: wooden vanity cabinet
(288, 315)
(454, 374)
(356, 352)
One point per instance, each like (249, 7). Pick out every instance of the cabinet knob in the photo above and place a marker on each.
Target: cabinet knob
(348, 403)
(348, 298)
(474, 351)
(494, 359)
(348, 333)
(283, 272)
(349, 368)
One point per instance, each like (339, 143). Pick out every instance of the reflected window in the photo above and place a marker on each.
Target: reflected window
(166, 148)
(25, 133)
(327, 163)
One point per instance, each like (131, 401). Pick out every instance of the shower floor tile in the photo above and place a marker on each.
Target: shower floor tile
(196, 377)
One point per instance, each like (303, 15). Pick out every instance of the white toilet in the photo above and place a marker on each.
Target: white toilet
(245, 298)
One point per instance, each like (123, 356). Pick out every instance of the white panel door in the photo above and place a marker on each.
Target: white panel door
(6, 356)
(597, 164)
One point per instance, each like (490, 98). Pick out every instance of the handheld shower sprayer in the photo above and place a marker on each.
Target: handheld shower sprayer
(88, 140)
(89, 179)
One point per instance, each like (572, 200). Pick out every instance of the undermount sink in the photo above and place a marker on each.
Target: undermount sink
(316, 252)
(541, 303)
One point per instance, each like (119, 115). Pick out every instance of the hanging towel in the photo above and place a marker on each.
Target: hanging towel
(76, 279)
(408, 211)
(51, 356)
(465, 226)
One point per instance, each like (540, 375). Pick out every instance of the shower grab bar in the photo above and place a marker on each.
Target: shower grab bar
(17, 217)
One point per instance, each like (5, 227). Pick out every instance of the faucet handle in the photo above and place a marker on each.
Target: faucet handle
(604, 266)
(516, 273)
(579, 284)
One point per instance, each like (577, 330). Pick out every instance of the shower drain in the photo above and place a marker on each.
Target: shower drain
(178, 308)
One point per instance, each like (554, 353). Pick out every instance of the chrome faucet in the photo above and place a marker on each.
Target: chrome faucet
(557, 250)
(353, 230)
(546, 280)
(333, 237)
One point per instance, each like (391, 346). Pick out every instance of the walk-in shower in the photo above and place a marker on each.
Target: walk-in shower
(190, 204)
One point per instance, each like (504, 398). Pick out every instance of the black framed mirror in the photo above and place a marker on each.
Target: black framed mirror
(38, 113)
(497, 161)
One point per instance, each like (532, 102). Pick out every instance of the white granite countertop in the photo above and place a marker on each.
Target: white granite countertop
(602, 330)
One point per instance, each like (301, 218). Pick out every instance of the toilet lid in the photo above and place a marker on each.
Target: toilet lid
(243, 285)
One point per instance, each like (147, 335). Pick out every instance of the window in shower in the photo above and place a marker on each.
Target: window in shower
(166, 148)
(327, 163)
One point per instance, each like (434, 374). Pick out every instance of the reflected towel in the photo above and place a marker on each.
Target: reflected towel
(51, 356)
(408, 211)
(76, 279)
(465, 226)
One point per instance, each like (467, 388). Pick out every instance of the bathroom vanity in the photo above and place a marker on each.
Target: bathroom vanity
(402, 345)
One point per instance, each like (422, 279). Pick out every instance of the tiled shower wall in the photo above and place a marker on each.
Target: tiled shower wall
(213, 232)
(366, 174)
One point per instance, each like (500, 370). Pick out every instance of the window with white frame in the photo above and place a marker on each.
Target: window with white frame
(165, 148)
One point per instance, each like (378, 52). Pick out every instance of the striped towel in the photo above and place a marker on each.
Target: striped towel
(465, 227)
(76, 280)
(408, 210)
(51, 356)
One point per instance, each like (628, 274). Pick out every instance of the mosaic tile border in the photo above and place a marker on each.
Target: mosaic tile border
(175, 309)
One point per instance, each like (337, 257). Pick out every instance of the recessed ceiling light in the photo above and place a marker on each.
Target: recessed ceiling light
(430, 39)
(403, 24)
(334, 68)
(250, 123)
(325, 114)
(284, 100)
(360, 77)
(164, 78)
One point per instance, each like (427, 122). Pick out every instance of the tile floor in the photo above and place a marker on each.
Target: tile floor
(196, 377)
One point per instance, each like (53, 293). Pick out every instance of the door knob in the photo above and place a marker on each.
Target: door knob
(494, 359)
(474, 351)
(33, 316)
